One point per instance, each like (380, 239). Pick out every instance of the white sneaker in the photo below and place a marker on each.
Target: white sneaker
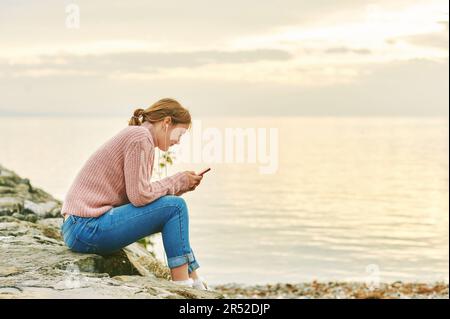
(185, 283)
(200, 284)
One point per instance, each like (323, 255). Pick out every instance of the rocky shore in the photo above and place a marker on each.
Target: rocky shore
(35, 263)
(336, 290)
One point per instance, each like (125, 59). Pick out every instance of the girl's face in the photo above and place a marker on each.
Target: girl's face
(172, 136)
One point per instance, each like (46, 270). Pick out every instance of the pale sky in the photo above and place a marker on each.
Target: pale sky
(273, 58)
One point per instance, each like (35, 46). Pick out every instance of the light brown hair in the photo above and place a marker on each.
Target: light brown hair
(159, 110)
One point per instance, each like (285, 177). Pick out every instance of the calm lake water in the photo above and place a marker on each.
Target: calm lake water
(352, 197)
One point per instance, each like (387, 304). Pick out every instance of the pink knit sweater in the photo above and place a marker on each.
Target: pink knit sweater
(119, 173)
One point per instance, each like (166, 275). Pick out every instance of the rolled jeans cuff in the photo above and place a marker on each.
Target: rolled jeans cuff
(193, 266)
(181, 260)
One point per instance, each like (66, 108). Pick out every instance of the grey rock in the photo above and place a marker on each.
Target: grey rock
(10, 205)
(17, 195)
(42, 210)
(31, 218)
(19, 216)
(6, 190)
(35, 262)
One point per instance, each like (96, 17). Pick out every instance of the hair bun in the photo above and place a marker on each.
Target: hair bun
(138, 113)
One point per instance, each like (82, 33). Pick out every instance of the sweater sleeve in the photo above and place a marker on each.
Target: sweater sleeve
(138, 161)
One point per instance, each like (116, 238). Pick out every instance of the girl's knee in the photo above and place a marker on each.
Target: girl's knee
(178, 202)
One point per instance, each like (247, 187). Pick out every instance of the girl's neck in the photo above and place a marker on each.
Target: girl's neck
(152, 129)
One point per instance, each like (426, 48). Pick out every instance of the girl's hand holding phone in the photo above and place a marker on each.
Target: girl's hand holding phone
(194, 180)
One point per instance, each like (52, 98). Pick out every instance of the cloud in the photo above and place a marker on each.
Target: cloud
(439, 40)
(291, 53)
(184, 24)
(137, 62)
(432, 40)
(345, 50)
(408, 88)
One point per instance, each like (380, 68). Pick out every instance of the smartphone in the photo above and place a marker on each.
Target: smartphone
(204, 171)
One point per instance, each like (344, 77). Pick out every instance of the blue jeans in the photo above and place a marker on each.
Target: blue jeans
(124, 225)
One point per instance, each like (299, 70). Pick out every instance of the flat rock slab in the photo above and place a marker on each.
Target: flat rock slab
(35, 263)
